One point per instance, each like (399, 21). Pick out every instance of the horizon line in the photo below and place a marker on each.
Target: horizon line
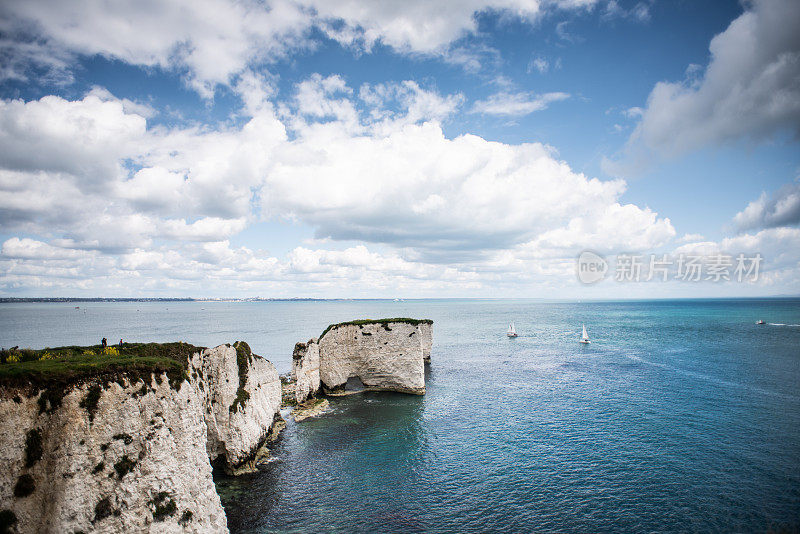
(393, 299)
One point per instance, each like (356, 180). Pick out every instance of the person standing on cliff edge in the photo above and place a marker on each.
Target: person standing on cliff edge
(103, 343)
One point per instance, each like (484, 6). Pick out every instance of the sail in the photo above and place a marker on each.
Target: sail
(585, 335)
(511, 329)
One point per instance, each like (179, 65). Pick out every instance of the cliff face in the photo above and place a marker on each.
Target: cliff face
(132, 455)
(305, 369)
(425, 329)
(241, 393)
(386, 355)
(131, 463)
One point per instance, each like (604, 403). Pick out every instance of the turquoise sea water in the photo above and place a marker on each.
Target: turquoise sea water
(680, 416)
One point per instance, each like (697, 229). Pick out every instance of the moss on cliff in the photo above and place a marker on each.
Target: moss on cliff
(186, 518)
(25, 486)
(124, 466)
(244, 356)
(91, 400)
(383, 322)
(103, 509)
(300, 350)
(127, 439)
(33, 447)
(163, 506)
(7, 521)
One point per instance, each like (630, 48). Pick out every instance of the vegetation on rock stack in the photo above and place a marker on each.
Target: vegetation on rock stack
(383, 322)
(244, 356)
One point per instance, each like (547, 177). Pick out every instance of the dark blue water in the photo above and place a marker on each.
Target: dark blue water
(680, 416)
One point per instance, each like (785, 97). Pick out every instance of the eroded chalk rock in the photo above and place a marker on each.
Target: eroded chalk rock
(131, 452)
(305, 369)
(425, 329)
(386, 355)
(131, 459)
(242, 394)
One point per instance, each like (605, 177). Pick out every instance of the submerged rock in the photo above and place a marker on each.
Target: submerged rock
(310, 408)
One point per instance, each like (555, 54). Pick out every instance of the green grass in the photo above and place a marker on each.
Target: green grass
(385, 322)
(62, 366)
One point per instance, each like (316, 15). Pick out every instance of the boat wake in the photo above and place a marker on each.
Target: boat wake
(709, 378)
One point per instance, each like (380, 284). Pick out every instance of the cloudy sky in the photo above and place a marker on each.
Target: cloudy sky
(416, 148)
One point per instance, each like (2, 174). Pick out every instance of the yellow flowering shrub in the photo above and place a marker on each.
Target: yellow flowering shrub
(111, 351)
(47, 356)
(13, 358)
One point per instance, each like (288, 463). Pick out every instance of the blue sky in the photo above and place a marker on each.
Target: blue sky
(415, 149)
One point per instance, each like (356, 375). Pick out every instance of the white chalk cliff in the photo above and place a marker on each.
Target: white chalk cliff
(305, 369)
(236, 425)
(386, 355)
(132, 457)
(425, 329)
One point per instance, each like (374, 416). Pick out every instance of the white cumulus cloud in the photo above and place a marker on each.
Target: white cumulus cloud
(211, 42)
(749, 90)
(516, 104)
(780, 209)
(154, 209)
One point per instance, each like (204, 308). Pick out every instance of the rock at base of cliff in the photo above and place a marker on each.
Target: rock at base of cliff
(311, 408)
(262, 455)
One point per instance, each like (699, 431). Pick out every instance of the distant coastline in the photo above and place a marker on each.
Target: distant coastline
(156, 299)
(9, 300)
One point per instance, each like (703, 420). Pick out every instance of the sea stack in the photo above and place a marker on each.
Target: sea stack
(241, 393)
(384, 354)
(305, 369)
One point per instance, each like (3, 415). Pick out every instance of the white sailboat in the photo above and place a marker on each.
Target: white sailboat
(585, 336)
(512, 332)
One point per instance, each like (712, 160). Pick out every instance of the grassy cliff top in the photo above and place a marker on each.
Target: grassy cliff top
(60, 366)
(361, 322)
